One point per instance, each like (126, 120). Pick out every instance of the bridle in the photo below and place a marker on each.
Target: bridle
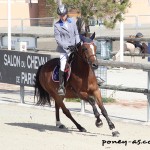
(84, 49)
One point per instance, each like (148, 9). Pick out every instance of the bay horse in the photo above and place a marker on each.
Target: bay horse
(81, 84)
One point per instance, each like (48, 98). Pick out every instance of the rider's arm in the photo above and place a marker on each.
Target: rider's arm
(58, 38)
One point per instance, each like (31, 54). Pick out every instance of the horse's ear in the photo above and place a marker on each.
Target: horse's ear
(92, 36)
(82, 38)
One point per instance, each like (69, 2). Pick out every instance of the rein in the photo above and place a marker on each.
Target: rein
(85, 59)
(81, 57)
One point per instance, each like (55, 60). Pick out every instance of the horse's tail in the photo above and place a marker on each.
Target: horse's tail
(42, 96)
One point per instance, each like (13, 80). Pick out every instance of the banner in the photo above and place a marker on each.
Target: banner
(20, 67)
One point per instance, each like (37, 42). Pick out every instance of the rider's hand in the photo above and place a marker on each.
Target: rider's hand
(72, 48)
(78, 44)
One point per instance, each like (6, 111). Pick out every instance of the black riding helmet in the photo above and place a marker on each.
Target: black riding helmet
(62, 10)
(139, 35)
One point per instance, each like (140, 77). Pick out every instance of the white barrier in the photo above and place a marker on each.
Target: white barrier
(127, 65)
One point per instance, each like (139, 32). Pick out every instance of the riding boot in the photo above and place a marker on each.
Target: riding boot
(61, 89)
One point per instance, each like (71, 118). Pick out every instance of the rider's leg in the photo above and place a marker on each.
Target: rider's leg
(63, 61)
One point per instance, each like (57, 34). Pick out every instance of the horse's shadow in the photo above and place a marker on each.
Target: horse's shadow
(39, 127)
(43, 128)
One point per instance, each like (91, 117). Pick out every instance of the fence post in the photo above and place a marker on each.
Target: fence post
(22, 94)
(148, 87)
(82, 106)
(148, 98)
(22, 26)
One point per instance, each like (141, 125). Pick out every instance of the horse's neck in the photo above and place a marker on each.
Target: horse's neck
(80, 65)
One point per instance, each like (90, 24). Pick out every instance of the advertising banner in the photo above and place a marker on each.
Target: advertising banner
(20, 67)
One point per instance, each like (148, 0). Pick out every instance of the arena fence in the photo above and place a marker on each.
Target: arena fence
(127, 65)
(23, 75)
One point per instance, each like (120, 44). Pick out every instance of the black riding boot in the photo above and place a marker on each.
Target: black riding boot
(61, 89)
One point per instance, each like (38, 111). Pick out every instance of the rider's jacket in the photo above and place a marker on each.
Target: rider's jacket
(66, 34)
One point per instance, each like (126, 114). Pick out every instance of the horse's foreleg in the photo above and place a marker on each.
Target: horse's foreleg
(98, 122)
(111, 125)
(58, 123)
(104, 113)
(68, 114)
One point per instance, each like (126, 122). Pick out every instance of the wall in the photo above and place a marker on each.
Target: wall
(139, 8)
(38, 9)
(19, 9)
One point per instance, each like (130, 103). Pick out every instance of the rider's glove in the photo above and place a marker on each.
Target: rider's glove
(72, 48)
(78, 44)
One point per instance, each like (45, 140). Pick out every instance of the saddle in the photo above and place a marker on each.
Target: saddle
(55, 74)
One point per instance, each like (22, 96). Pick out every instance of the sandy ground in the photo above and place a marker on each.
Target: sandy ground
(25, 127)
(28, 127)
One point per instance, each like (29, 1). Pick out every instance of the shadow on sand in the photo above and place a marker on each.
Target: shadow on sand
(43, 128)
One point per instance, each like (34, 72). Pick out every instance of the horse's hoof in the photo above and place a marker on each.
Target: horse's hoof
(61, 126)
(99, 124)
(82, 130)
(115, 134)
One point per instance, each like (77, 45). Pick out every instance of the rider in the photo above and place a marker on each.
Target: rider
(138, 43)
(141, 47)
(133, 44)
(66, 35)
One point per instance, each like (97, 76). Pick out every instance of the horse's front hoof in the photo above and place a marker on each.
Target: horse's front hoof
(99, 124)
(61, 126)
(82, 130)
(115, 134)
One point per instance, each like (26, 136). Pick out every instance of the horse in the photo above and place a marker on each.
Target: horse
(81, 84)
(133, 46)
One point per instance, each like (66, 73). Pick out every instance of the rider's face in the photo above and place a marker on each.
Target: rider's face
(63, 17)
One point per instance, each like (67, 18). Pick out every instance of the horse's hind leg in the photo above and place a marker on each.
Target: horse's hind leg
(104, 112)
(58, 123)
(68, 114)
(98, 122)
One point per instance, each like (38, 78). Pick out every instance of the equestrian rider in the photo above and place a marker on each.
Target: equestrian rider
(66, 35)
(138, 43)
(141, 47)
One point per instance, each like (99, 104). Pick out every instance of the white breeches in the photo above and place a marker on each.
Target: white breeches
(63, 60)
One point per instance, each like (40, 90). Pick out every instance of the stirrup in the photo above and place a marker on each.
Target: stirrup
(100, 81)
(61, 91)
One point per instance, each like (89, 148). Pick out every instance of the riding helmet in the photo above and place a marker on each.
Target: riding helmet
(62, 10)
(139, 35)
